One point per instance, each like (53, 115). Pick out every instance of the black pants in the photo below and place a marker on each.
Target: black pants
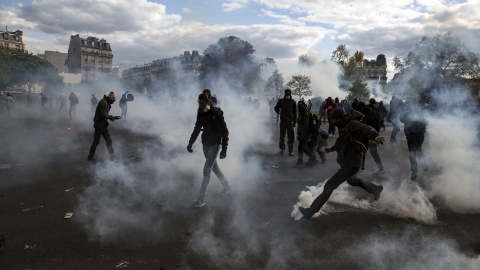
(415, 142)
(307, 148)
(286, 128)
(396, 127)
(96, 140)
(376, 157)
(346, 173)
(331, 127)
(323, 116)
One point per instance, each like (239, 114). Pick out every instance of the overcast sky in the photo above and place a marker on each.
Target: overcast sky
(140, 31)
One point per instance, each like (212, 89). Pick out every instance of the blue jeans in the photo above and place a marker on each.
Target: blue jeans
(211, 153)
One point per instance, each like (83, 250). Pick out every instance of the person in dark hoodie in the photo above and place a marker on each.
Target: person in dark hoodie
(100, 124)
(351, 146)
(214, 137)
(382, 112)
(307, 139)
(330, 106)
(415, 129)
(287, 109)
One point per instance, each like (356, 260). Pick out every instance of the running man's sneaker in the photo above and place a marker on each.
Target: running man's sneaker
(376, 192)
(225, 190)
(413, 177)
(199, 203)
(306, 212)
(379, 173)
(91, 161)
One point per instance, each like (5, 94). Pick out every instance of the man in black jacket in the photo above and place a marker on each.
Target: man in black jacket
(287, 108)
(215, 134)
(307, 139)
(351, 145)
(415, 129)
(100, 124)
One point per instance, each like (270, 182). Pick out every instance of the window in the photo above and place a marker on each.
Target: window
(17, 47)
(6, 46)
(86, 58)
(108, 61)
(84, 43)
(93, 44)
(101, 59)
(93, 58)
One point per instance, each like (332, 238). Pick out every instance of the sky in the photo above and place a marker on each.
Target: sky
(141, 31)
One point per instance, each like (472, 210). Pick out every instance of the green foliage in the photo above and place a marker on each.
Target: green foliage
(5, 72)
(305, 61)
(300, 85)
(352, 66)
(29, 69)
(274, 86)
(230, 59)
(340, 55)
(164, 78)
(358, 90)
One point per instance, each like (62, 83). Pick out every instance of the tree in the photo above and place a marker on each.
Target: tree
(29, 69)
(354, 67)
(230, 59)
(358, 90)
(5, 72)
(340, 55)
(274, 86)
(305, 61)
(300, 85)
(165, 78)
(436, 62)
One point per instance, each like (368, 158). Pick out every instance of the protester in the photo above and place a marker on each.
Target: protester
(322, 112)
(395, 109)
(123, 105)
(73, 104)
(214, 136)
(372, 118)
(2, 103)
(337, 102)
(63, 103)
(415, 129)
(287, 109)
(306, 135)
(309, 106)
(382, 112)
(351, 146)
(29, 100)
(9, 103)
(330, 106)
(100, 124)
(43, 100)
(272, 104)
(93, 102)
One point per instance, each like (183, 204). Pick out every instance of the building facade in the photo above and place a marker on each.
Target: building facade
(90, 57)
(12, 41)
(376, 70)
(57, 59)
(189, 62)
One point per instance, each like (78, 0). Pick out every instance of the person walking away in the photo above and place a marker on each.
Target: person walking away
(337, 102)
(307, 141)
(351, 146)
(100, 123)
(287, 109)
(123, 105)
(73, 104)
(214, 137)
(372, 118)
(415, 129)
(309, 106)
(93, 102)
(393, 117)
(43, 100)
(63, 103)
(29, 100)
(330, 106)
(322, 112)
(2, 103)
(382, 112)
(272, 103)
(9, 103)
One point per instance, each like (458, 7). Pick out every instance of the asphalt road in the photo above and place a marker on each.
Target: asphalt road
(123, 218)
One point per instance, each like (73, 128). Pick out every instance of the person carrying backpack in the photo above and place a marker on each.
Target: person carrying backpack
(307, 135)
(287, 109)
(372, 119)
(351, 145)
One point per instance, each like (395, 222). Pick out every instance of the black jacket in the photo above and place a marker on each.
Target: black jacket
(215, 129)
(101, 114)
(287, 108)
(414, 121)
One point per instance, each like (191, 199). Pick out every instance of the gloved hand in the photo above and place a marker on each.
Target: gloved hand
(189, 148)
(223, 154)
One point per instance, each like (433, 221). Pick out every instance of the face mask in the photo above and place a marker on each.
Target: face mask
(288, 97)
(206, 109)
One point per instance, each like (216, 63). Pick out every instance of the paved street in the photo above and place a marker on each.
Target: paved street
(135, 213)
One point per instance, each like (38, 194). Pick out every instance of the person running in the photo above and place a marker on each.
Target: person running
(351, 146)
(382, 112)
(287, 109)
(415, 129)
(214, 137)
(63, 103)
(100, 124)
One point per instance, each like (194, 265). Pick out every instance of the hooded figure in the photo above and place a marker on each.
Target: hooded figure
(307, 135)
(351, 146)
(330, 106)
(100, 124)
(287, 109)
(214, 137)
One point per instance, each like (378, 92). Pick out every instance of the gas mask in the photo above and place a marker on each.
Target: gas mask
(206, 108)
(288, 97)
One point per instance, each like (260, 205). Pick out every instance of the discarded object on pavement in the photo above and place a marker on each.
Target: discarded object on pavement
(66, 128)
(68, 215)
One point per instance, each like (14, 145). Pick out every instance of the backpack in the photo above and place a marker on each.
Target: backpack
(323, 133)
(373, 118)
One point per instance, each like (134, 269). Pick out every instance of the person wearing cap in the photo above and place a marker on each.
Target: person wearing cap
(330, 106)
(214, 137)
(100, 123)
(287, 109)
(351, 146)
